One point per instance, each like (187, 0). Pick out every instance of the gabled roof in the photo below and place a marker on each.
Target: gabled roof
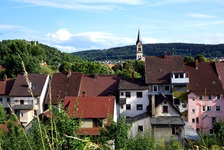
(100, 85)
(132, 84)
(159, 99)
(220, 70)
(20, 87)
(6, 86)
(90, 107)
(64, 85)
(204, 80)
(158, 69)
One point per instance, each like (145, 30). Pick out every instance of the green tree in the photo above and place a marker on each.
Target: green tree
(200, 58)
(189, 59)
(64, 67)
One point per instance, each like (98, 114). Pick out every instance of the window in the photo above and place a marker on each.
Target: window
(209, 108)
(140, 128)
(200, 97)
(21, 114)
(139, 94)
(203, 108)
(193, 110)
(213, 119)
(8, 99)
(197, 120)
(181, 75)
(155, 88)
(167, 88)
(139, 107)
(128, 106)
(193, 120)
(35, 112)
(122, 93)
(165, 109)
(21, 102)
(139, 49)
(197, 129)
(128, 94)
(176, 76)
(97, 122)
(176, 101)
(218, 97)
(218, 108)
(209, 97)
(175, 130)
(0, 100)
(211, 131)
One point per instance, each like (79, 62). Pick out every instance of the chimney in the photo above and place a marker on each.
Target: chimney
(196, 64)
(133, 74)
(153, 105)
(5, 78)
(83, 93)
(165, 55)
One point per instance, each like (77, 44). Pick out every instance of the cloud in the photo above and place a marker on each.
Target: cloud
(83, 4)
(60, 35)
(200, 16)
(9, 27)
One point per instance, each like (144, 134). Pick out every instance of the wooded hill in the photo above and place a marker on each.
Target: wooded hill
(128, 52)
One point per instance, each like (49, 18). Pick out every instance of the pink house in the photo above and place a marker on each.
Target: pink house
(205, 98)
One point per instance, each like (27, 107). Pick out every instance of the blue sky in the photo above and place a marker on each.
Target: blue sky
(74, 25)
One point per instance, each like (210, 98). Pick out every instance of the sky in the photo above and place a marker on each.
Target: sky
(77, 25)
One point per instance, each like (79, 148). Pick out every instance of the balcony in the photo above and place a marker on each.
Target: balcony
(179, 78)
(27, 107)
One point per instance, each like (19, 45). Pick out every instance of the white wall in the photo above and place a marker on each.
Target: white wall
(42, 96)
(133, 100)
(171, 110)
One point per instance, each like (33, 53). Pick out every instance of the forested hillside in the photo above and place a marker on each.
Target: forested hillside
(128, 52)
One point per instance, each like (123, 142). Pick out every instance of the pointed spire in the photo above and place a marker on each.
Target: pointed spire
(139, 37)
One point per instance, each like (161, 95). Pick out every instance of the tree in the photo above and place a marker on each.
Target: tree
(64, 67)
(189, 59)
(200, 58)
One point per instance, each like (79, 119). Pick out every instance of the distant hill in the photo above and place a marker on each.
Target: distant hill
(128, 52)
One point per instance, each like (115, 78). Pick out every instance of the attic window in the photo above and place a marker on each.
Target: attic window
(165, 109)
(35, 86)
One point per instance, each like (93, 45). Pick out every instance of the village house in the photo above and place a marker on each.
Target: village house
(94, 112)
(5, 88)
(205, 98)
(27, 105)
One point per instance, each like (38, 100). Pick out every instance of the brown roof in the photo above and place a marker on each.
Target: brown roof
(100, 85)
(158, 69)
(220, 70)
(6, 86)
(204, 80)
(20, 87)
(63, 85)
(90, 107)
(132, 84)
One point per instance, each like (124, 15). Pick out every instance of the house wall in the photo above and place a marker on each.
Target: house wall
(164, 133)
(4, 101)
(204, 116)
(133, 101)
(160, 88)
(171, 110)
(42, 95)
(145, 122)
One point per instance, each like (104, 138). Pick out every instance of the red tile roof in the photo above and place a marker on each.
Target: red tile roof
(63, 85)
(220, 70)
(2, 68)
(20, 87)
(6, 86)
(101, 85)
(158, 69)
(204, 80)
(90, 107)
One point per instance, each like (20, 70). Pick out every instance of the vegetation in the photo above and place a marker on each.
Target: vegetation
(129, 52)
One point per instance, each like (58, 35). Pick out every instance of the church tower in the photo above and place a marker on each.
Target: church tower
(139, 50)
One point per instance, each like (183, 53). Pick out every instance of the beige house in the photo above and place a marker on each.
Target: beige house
(23, 104)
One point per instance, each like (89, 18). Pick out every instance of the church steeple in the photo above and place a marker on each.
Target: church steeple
(139, 49)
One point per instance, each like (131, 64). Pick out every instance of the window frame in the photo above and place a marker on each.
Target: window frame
(155, 86)
(193, 110)
(193, 120)
(218, 97)
(139, 96)
(127, 94)
(218, 110)
(165, 109)
(165, 87)
(122, 94)
(139, 107)
(200, 97)
(128, 106)
(140, 128)
(209, 107)
(209, 97)
(197, 120)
